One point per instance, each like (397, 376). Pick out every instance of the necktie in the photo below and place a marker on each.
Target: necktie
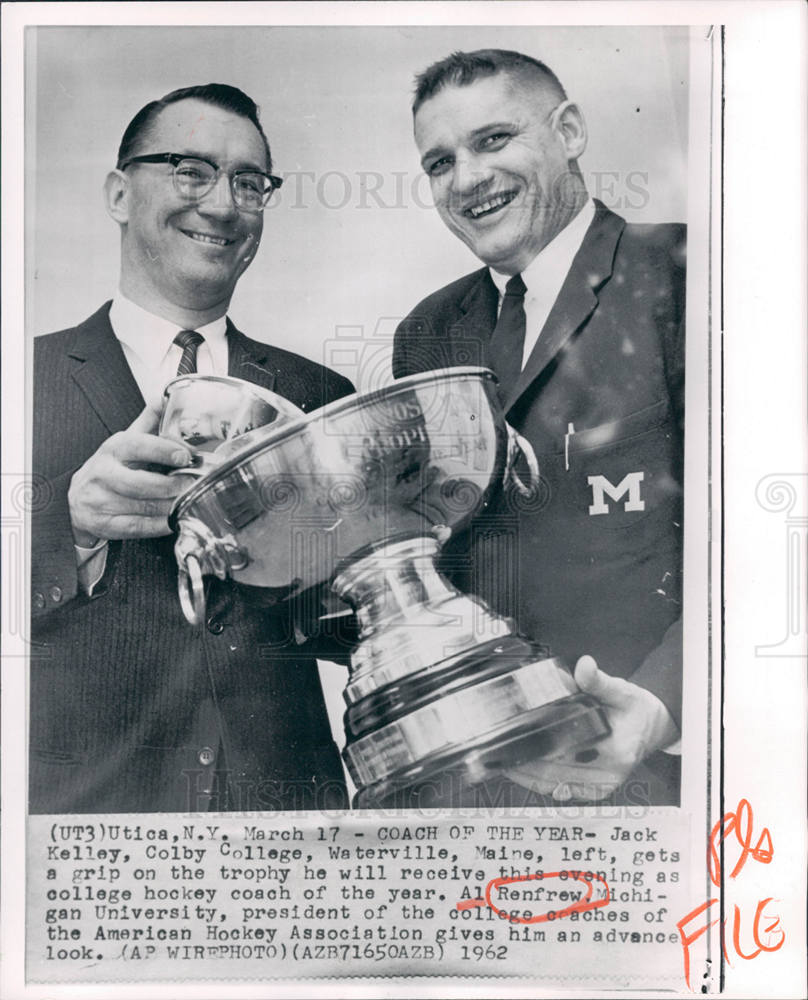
(508, 339)
(189, 341)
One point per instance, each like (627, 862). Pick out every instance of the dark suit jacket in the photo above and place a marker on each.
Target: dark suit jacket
(581, 570)
(132, 708)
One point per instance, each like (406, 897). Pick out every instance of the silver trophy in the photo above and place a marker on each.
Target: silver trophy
(443, 694)
(203, 411)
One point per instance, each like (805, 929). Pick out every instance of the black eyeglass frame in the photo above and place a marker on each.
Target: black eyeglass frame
(176, 158)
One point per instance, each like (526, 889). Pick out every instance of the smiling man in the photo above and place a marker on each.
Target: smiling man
(131, 708)
(521, 124)
(582, 318)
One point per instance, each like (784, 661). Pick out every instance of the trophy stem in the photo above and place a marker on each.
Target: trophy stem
(410, 616)
(441, 688)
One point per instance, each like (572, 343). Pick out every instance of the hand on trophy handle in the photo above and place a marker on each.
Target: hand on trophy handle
(121, 491)
(518, 445)
(640, 724)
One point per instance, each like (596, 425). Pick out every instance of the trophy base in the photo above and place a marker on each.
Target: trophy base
(472, 775)
(438, 736)
(444, 695)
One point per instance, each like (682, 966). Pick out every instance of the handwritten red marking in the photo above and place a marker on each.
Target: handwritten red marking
(688, 939)
(587, 903)
(741, 824)
(469, 904)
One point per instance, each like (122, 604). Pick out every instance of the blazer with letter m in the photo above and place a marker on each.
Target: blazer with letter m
(592, 562)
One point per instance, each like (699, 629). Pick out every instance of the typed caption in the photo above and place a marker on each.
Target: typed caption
(164, 898)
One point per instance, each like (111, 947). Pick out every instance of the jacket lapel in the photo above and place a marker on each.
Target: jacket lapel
(470, 334)
(102, 373)
(577, 299)
(247, 359)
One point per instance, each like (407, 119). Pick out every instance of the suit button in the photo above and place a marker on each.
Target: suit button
(206, 756)
(39, 601)
(56, 594)
(215, 627)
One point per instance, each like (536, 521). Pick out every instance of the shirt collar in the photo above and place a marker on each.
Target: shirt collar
(557, 256)
(150, 336)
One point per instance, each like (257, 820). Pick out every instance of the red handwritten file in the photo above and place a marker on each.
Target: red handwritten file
(741, 824)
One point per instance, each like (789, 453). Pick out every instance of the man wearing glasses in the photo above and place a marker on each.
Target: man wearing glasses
(132, 709)
(582, 318)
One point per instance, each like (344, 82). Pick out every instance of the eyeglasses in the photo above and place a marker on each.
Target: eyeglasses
(194, 177)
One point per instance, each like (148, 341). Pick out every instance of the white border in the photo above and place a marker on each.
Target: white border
(765, 408)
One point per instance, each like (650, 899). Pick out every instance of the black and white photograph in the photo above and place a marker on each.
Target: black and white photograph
(580, 553)
(372, 526)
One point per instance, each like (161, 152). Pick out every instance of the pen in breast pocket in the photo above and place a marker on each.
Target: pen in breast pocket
(567, 436)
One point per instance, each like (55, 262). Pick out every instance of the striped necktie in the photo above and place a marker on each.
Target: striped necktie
(189, 341)
(508, 339)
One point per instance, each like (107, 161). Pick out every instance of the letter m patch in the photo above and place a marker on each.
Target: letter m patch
(629, 484)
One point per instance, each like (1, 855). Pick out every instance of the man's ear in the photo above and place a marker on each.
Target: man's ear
(116, 196)
(571, 128)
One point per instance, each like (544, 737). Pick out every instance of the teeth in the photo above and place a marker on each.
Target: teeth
(495, 202)
(204, 238)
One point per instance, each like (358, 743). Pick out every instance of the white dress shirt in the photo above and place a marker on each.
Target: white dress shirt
(153, 357)
(545, 274)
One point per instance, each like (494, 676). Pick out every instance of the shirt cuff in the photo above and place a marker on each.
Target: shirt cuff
(666, 735)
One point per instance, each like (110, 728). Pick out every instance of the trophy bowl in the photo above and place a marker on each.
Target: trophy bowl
(204, 411)
(362, 493)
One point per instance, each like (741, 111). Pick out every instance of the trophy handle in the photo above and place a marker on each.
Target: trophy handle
(191, 590)
(518, 445)
(199, 551)
(203, 463)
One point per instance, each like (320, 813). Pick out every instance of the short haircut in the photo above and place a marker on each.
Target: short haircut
(220, 95)
(462, 68)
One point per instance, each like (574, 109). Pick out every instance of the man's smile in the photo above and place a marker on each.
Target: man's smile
(492, 203)
(219, 241)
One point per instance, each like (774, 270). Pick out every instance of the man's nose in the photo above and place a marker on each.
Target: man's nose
(470, 173)
(219, 201)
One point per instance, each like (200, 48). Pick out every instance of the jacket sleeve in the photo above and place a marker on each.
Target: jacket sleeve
(661, 672)
(54, 575)
(56, 455)
(64, 436)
